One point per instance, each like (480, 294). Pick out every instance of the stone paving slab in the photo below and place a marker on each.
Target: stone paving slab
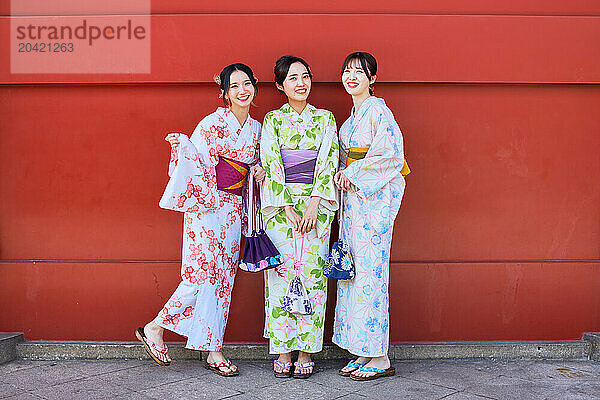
(418, 380)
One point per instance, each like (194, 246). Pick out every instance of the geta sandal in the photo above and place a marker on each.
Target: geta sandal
(216, 368)
(301, 366)
(379, 373)
(151, 347)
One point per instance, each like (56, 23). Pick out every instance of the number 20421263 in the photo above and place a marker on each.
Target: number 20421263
(43, 47)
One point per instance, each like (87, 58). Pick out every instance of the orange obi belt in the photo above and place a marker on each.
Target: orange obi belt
(231, 175)
(358, 153)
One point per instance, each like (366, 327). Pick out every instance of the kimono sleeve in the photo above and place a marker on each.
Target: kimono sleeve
(384, 159)
(255, 160)
(326, 167)
(205, 142)
(256, 144)
(192, 186)
(274, 193)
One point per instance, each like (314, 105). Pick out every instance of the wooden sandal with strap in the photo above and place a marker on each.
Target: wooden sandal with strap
(283, 366)
(301, 366)
(151, 347)
(216, 368)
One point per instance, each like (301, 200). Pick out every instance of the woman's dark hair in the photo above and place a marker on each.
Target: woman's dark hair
(367, 62)
(225, 78)
(282, 67)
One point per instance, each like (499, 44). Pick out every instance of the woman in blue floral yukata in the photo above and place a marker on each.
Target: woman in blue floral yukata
(372, 182)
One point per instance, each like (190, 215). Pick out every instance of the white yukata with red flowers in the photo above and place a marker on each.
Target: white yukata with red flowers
(212, 227)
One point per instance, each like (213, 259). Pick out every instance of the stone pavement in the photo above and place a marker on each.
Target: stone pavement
(419, 380)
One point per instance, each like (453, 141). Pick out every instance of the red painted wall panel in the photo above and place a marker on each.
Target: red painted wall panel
(410, 48)
(431, 302)
(497, 169)
(533, 7)
(504, 181)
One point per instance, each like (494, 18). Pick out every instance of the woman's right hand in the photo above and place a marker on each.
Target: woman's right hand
(173, 139)
(336, 180)
(343, 183)
(293, 216)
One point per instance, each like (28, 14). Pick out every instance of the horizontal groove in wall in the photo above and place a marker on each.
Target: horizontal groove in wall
(275, 14)
(211, 83)
(526, 261)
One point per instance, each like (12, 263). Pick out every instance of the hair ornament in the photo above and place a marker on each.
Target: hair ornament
(217, 79)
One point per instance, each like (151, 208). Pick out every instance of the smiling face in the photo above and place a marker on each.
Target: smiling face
(355, 79)
(241, 90)
(297, 83)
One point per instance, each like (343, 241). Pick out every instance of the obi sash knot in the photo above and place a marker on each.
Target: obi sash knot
(299, 165)
(231, 175)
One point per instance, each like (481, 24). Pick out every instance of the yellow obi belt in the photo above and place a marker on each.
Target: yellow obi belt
(231, 175)
(358, 153)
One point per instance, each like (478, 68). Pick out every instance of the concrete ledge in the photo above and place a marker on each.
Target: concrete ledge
(134, 350)
(560, 350)
(8, 345)
(594, 340)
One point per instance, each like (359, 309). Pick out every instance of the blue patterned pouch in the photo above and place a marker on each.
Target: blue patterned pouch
(339, 264)
(296, 300)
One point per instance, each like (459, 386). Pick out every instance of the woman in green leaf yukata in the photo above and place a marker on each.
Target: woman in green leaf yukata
(299, 152)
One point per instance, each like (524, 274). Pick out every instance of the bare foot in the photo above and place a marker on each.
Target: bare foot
(284, 359)
(382, 362)
(302, 359)
(359, 360)
(154, 333)
(218, 358)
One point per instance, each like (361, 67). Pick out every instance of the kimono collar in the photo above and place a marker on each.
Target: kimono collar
(368, 101)
(308, 111)
(231, 120)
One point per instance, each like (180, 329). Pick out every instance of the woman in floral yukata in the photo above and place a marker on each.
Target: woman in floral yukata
(299, 152)
(207, 175)
(372, 184)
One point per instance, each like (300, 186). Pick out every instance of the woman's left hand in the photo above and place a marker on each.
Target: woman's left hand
(258, 173)
(309, 219)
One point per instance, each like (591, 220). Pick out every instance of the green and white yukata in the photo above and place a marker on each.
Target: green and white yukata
(313, 129)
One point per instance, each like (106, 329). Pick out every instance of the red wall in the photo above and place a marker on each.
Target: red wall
(498, 236)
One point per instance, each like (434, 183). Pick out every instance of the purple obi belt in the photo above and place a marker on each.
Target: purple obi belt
(299, 165)
(231, 175)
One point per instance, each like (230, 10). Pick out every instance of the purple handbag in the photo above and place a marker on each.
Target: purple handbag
(260, 253)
